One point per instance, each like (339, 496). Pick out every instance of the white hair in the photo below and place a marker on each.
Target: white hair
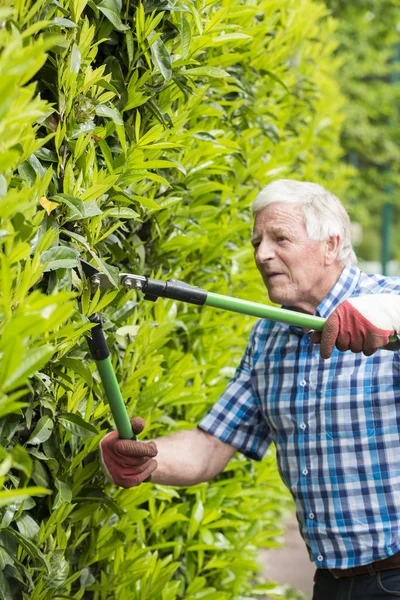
(323, 213)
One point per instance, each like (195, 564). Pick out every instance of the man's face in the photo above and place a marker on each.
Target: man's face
(292, 266)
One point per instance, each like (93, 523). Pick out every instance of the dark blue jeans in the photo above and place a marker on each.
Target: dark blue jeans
(380, 586)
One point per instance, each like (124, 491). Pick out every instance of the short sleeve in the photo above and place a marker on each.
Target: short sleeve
(236, 418)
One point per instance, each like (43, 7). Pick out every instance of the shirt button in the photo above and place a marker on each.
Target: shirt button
(305, 471)
(303, 383)
(303, 426)
(320, 557)
(311, 515)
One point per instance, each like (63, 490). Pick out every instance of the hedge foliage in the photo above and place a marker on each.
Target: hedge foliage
(135, 136)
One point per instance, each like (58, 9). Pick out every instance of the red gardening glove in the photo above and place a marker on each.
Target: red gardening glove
(128, 462)
(361, 324)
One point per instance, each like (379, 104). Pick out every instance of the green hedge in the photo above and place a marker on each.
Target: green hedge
(135, 136)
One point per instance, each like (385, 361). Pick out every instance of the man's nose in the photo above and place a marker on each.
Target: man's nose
(264, 252)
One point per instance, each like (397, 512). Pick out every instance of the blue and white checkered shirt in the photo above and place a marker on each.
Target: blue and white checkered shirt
(335, 424)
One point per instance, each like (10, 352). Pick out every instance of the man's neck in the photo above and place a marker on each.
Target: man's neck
(310, 307)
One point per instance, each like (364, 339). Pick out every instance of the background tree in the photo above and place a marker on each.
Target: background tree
(369, 51)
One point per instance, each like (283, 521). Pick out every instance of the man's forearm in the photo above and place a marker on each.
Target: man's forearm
(190, 457)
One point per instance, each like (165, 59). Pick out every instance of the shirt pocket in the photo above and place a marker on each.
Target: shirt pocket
(347, 405)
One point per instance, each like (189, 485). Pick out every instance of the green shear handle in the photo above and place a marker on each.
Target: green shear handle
(101, 355)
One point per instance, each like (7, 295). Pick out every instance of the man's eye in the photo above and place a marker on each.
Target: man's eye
(281, 238)
(255, 245)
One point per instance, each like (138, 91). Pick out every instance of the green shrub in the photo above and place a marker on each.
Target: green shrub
(135, 136)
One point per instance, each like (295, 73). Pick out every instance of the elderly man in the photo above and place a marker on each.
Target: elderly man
(328, 401)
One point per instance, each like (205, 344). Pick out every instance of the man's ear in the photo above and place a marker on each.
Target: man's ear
(331, 249)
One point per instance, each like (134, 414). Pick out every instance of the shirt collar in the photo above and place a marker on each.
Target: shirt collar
(343, 289)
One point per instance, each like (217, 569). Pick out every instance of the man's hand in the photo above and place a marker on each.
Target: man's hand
(361, 324)
(128, 462)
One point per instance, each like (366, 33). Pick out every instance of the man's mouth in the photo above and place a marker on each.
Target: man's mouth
(272, 276)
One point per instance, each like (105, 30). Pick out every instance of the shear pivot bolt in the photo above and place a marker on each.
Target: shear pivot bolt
(129, 283)
(95, 281)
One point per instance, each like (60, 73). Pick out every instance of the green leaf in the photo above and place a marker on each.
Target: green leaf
(107, 86)
(64, 494)
(9, 496)
(39, 474)
(42, 431)
(97, 190)
(76, 425)
(186, 38)
(161, 59)
(74, 204)
(208, 71)
(135, 99)
(9, 405)
(34, 360)
(27, 173)
(92, 209)
(3, 186)
(19, 252)
(21, 460)
(129, 45)
(195, 519)
(79, 367)
(11, 358)
(90, 494)
(109, 8)
(123, 212)
(278, 80)
(79, 238)
(147, 203)
(105, 111)
(60, 257)
(75, 63)
(61, 22)
(155, 164)
(6, 592)
(77, 8)
(230, 37)
(29, 547)
(27, 526)
(84, 511)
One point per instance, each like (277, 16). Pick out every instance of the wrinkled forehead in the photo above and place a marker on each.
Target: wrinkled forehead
(279, 216)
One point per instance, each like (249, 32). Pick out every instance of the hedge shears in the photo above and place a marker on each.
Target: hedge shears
(174, 290)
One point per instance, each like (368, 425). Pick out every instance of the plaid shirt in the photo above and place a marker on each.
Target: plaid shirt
(335, 424)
